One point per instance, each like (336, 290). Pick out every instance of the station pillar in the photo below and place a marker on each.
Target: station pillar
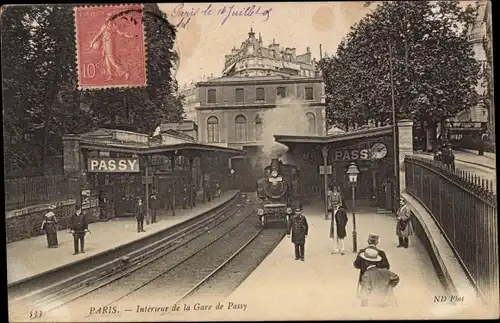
(405, 138)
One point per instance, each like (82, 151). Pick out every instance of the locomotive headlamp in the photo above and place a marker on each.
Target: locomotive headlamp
(274, 173)
(288, 211)
(260, 212)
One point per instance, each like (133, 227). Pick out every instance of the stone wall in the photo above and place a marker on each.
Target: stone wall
(26, 222)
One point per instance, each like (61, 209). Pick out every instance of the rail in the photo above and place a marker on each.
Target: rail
(464, 207)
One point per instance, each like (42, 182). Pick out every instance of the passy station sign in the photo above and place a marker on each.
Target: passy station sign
(113, 165)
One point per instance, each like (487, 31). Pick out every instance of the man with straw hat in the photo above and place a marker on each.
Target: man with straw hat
(373, 240)
(299, 228)
(377, 284)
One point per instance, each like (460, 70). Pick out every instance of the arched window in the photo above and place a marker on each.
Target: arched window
(311, 122)
(258, 128)
(213, 129)
(241, 128)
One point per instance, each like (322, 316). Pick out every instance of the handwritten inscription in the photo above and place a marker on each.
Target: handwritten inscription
(224, 12)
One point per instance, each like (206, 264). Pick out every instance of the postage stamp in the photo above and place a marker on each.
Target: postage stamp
(110, 46)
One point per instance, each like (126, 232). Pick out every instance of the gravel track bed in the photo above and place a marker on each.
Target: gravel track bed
(172, 285)
(229, 277)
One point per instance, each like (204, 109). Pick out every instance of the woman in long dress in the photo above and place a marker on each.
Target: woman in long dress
(49, 225)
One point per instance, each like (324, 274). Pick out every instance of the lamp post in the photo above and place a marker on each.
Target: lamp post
(395, 139)
(353, 172)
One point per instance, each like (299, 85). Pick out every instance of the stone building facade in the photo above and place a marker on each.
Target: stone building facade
(230, 110)
(478, 113)
(256, 79)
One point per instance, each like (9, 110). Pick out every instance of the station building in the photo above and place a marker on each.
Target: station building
(254, 79)
(113, 167)
(371, 150)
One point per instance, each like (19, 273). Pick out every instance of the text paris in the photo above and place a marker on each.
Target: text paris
(253, 10)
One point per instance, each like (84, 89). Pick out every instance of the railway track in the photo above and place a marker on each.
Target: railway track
(56, 298)
(83, 269)
(167, 281)
(223, 280)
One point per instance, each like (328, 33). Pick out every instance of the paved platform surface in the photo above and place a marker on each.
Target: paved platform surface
(323, 287)
(30, 257)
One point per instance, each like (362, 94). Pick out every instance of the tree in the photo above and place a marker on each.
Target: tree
(434, 70)
(41, 99)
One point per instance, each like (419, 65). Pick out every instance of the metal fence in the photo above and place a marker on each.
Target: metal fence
(26, 191)
(465, 208)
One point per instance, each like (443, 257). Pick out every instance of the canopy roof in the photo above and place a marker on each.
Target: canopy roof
(291, 140)
(141, 144)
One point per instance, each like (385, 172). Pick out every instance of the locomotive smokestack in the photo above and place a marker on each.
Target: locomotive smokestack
(275, 163)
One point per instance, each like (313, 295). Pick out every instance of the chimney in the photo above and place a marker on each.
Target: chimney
(320, 52)
(308, 49)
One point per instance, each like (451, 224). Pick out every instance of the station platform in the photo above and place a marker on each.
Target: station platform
(31, 257)
(324, 286)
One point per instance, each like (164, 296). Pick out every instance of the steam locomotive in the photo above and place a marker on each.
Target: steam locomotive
(279, 192)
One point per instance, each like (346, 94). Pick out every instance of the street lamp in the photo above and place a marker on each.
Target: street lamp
(353, 172)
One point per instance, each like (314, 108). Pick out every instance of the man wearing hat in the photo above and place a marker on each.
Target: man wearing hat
(373, 240)
(79, 225)
(299, 227)
(404, 227)
(377, 284)
(139, 214)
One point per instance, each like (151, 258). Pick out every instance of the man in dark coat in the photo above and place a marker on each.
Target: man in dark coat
(139, 215)
(377, 284)
(79, 225)
(373, 240)
(338, 225)
(194, 195)
(154, 200)
(299, 228)
(170, 198)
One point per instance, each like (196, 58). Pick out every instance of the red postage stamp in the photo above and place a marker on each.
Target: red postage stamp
(110, 47)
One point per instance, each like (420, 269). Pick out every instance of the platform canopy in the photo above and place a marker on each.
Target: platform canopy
(293, 141)
(112, 140)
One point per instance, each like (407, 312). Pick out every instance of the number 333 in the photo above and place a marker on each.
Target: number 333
(35, 314)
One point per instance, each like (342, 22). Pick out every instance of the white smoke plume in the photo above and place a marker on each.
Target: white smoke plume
(288, 118)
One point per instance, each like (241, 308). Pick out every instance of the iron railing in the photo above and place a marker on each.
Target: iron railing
(26, 191)
(465, 208)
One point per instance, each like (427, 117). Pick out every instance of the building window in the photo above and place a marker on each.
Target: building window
(309, 93)
(212, 96)
(241, 128)
(240, 95)
(281, 92)
(213, 129)
(260, 95)
(258, 128)
(311, 122)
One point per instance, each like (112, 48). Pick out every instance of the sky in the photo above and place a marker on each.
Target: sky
(208, 35)
(214, 29)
